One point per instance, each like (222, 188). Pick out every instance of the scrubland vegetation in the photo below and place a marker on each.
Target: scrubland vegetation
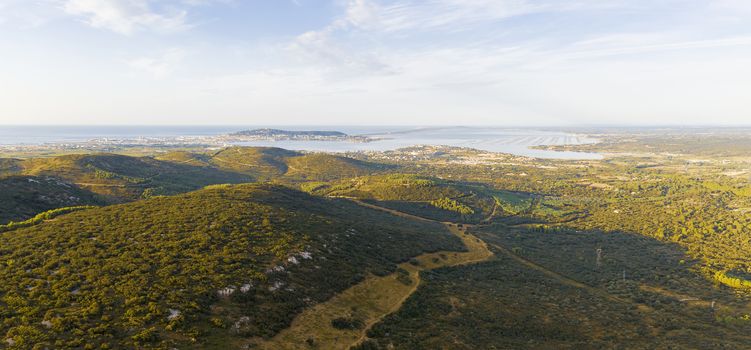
(647, 251)
(202, 268)
(425, 196)
(30, 186)
(41, 217)
(23, 197)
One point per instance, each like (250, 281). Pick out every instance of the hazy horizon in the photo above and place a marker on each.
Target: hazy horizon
(366, 125)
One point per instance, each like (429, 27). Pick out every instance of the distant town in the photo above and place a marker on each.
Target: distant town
(210, 141)
(287, 135)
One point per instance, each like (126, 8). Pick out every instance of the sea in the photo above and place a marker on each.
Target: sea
(515, 141)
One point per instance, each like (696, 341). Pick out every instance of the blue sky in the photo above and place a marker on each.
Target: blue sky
(481, 62)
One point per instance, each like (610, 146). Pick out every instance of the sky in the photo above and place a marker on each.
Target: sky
(376, 62)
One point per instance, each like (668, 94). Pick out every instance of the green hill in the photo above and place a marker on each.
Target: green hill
(206, 269)
(9, 166)
(271, 163)
(420, 195)
(257, 161)
(119, 178)
(22, 197)
(185, 157)
(321, 166)
(405, 187)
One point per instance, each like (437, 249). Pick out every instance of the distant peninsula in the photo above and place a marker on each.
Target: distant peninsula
(296, 135)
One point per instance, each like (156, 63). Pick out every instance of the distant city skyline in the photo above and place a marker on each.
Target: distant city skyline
(375, 62)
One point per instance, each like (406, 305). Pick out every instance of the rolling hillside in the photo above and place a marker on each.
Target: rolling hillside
(545, 290)
(185, 157)
(118, 178)
(268, 163)
(321, 167)
(22, 197)
(9, 166)
(257, 161)
(213, 268)
(420, 195)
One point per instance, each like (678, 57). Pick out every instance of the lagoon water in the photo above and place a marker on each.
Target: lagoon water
(513, 141)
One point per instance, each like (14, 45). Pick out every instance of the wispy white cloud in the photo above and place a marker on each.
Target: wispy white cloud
(26, 14)
(391, 57)
(161, 65)
(435, 14)
(742, 6)
(658, 47)
(476, 61)
(120, 16)
(126, 16)
(453, 15)
(321, 48)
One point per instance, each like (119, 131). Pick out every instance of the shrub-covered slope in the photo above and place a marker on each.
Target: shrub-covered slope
(119, 178)
(549, 290)
(321, 166)
(22, 197)
(265, 162)
(420, 195)
(269, 162)
(209, 268)
(9, 166)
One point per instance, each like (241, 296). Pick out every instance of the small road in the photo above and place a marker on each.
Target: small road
(375, 297)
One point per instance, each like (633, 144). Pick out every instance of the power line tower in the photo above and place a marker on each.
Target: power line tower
(598, 264)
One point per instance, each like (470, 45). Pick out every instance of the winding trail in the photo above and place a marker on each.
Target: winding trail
(374, 298)
(89, 184)
(377, 297)
(557, 276)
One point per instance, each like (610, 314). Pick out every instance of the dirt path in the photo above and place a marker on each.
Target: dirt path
(236, 163)
(377, 297)
(107, 185)
(395, 212)
(558, 277)
(372, 299)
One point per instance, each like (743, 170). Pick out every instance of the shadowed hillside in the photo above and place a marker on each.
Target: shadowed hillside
(22, 197)
(208, 268)
(9, 166)
(420, 195)
(118, 178)
(549, 290)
